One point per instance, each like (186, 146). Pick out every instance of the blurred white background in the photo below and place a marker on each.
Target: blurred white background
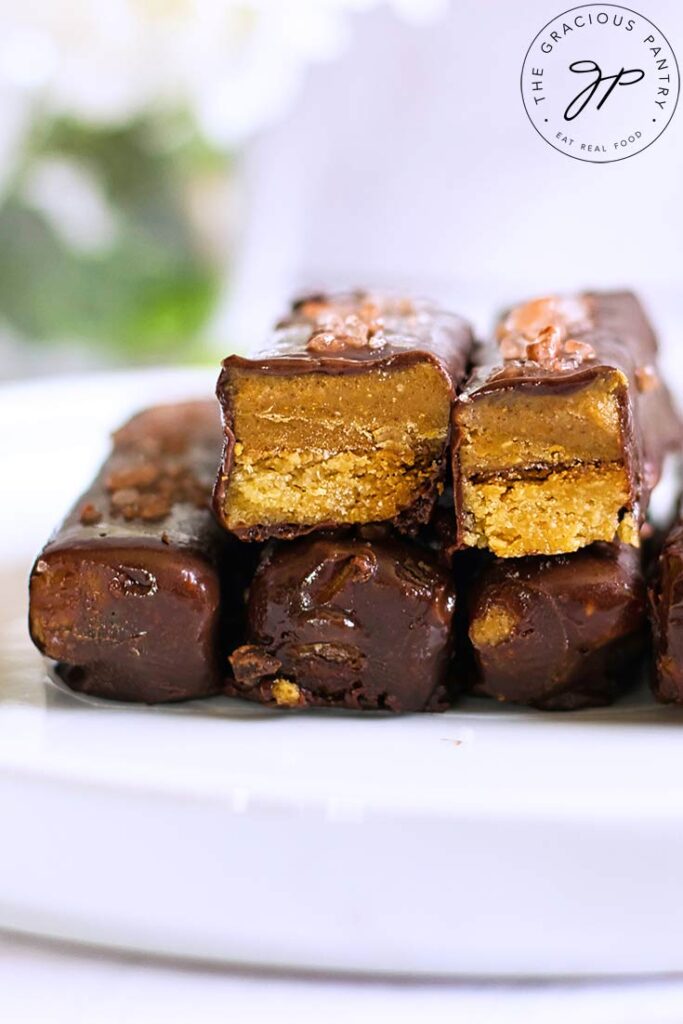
(410, 159)
(172, 171)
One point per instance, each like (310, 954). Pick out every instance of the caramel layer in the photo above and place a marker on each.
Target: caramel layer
(519, 427)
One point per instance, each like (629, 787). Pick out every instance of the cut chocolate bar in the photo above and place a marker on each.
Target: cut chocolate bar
(344, 419)
(559, 442)
(558, 633)
(666, 608)
(126, 594)
(346, 622)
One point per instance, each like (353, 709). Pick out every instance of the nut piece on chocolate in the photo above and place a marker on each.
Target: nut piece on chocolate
(558, 633)
(344, 419)
(344, 622)
(666, 610)
(126, 595)
(559, 443)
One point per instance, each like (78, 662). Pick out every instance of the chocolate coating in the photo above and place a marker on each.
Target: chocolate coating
(666, 612)
(558, 633)
(368, 331)
(126, 595)
(346, 334)
(586, 334)
(345, 622)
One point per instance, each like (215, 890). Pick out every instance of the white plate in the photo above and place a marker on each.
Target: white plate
(482, 841)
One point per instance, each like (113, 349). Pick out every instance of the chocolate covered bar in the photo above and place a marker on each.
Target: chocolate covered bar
(666, 612)
(560, 432)
(343, 419)
(558, 633)
(126, 594)
(347, 622)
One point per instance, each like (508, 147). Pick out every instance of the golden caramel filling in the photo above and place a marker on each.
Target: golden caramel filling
(519, 427)
(349, 448)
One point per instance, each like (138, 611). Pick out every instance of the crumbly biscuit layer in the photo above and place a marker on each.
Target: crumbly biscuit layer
(557, 512)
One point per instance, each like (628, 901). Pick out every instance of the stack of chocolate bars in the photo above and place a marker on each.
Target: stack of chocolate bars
(391, 514)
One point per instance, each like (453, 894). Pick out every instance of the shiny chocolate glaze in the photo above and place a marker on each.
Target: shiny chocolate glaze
(352, 623)
(572, 626)
(666, 612)
(126, 595)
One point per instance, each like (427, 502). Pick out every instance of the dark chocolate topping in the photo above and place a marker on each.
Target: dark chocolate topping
(126, 595)
(613, 332)
(157, 480)
(666, 612)
(343, 333)
(558, 632)
(345, 622)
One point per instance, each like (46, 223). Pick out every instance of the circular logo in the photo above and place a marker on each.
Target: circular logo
(600, 83)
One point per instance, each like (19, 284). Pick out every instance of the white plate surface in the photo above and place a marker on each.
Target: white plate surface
(482, 841)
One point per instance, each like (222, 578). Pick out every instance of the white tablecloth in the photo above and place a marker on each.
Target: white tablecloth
(45, 983)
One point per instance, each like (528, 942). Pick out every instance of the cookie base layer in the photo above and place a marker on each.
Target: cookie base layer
(554, 512)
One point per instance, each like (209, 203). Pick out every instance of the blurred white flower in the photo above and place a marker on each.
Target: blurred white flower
(69, 196)
(235, 65)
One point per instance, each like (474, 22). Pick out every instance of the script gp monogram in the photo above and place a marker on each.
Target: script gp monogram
(582, 99)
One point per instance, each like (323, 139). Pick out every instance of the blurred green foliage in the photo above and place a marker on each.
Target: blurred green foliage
(149, 293)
